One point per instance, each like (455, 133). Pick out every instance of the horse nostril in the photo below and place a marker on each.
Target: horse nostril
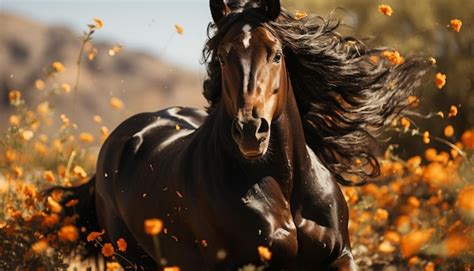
(264, 126)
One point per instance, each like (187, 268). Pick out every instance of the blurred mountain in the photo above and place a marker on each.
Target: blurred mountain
(141, 81)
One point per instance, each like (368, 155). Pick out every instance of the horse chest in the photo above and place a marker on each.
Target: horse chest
(261, 217)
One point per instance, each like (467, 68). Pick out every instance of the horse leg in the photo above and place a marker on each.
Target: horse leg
(345, 262)
(134, 257)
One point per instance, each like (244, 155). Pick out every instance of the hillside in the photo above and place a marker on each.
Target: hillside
(142, 81)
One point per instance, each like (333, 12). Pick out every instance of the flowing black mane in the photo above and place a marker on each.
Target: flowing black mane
(346, 92)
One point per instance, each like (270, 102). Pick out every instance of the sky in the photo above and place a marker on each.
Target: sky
(143, 25)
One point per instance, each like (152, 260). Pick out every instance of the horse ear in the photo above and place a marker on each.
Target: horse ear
(218, 9)
(273, 8)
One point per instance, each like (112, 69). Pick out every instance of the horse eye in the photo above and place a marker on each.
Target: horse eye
(277, 57)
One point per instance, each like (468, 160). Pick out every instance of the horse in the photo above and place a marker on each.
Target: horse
(294, 111)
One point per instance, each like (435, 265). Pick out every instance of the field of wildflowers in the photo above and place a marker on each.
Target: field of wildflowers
(418, 215)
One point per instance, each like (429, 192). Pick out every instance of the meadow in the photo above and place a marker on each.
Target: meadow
(417, 215)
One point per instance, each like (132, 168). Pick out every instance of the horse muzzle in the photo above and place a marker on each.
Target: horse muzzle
(251, 136)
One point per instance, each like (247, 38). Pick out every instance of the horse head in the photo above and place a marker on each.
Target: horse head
(253, 75)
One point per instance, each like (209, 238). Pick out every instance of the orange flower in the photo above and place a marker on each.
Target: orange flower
(386, 247)
(49, 176)
(98, 23)
(449, 131)
(54, 206)
(179, 29)
(413, 101)
(68, 233)
(94, 235)
(426, 137)
(412, 242)
(394, 57)
(456, 24)
(171, 268)
(264, 253)
(455, 244)
(300, 15)
(40, 246)
(116, 103)
(108, 250)
(122, 245)
(440, 80)
(429, 267)
(153, 226)
(453, 111)
(14, 96)
(72, 203)
(14, 120)
(97, 119)
(465, 201)
(386, 10)
(86, 138)
(467, 139)
(405, 123)
(66, 88)
(112, 266)
(381, 215)
(80, 172)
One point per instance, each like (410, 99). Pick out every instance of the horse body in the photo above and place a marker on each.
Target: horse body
(211, 200)
(293, 109)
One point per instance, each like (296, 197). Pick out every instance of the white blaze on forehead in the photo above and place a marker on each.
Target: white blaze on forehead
(247, 35)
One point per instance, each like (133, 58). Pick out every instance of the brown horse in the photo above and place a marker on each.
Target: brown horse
(292, 106)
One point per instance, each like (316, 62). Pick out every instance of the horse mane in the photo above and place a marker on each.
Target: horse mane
(346, 92)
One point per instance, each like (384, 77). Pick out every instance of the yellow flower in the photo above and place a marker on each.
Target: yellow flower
(179, 29)
(39, 84)
(98, 23)
(456, 24)
(86, 137)
(116, 103)
(386, 10)
(122, 245)
(26, 135)
(264, 253)
(58, 66)
(300, 15)
(68, 233)
(14, 96)
(153, 226)
(43, 108)
(107, 250)
(112, 266)
(440, 80)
